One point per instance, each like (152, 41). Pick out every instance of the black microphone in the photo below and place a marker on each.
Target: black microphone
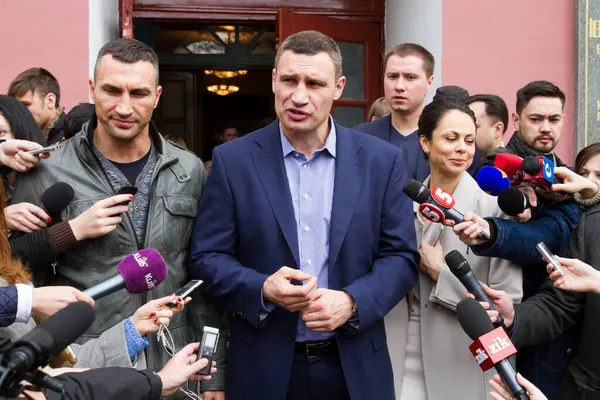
(56, 198)
(460, 267)
(513, 202)
(43, 343)
(441, 203)
(476, 323)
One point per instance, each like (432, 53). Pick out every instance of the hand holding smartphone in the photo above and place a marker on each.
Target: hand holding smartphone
(186, 290)
(48, 149)
(549, 257)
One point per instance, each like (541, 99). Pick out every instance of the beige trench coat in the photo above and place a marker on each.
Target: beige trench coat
(450, 371)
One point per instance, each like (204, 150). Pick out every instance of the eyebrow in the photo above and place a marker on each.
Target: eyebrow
(142, 90)
(543, 115)
(308, 78)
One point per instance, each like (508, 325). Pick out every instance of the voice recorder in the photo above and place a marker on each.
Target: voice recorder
(208, 347)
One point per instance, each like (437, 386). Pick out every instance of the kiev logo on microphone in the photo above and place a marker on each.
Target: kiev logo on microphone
(142, 261)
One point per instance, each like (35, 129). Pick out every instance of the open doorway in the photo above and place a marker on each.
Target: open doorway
(213, 77)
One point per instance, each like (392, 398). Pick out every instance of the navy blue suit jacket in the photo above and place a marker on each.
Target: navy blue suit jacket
(245, 230)
(382, 128)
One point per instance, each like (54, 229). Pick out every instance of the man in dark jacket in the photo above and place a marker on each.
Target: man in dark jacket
(545, 316)
(407, 79)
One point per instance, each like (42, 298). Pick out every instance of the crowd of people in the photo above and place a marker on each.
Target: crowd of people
(324, 278)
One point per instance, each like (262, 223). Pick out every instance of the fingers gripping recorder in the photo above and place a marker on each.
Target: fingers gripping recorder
(436, 205)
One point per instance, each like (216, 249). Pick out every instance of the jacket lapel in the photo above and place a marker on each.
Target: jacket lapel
(268, 160)
(349, 179)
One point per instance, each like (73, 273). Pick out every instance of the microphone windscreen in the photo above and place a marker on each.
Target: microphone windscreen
(473, 318)
(512, 201)
(143, 270)
(64, 327)
(457, 263)
(492, 180)
(416, 191)
(509, 163)
(531, 165)
(57, 197)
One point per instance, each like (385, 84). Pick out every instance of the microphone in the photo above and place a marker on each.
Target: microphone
(460, 267)
(539, 171)
(492, 180)
(43, 343)
(435, 207)
(512, 166)
(513, 202)
(56, 198)
(491, 347)
(138, 273)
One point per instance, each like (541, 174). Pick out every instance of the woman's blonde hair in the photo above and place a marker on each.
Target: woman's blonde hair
(11, 270)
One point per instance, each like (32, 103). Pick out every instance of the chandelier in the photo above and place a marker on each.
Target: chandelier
(225, 74)
(222, 90)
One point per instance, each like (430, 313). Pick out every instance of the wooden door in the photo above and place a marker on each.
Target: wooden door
(176, 111)
(360, 44)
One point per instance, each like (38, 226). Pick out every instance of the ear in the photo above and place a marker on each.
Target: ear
(91, 90)
(430, 81)
(50, 101)
(515, 118)
(498, 130)
(339, 87)
(424, 142)
(273, 77)
(158, 93)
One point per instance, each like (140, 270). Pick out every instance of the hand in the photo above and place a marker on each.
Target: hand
(469, 229)
(213, 395)
(26, 217)
(574, 183)
(101, 218)
(181, 368)
(13, 154)
(503, 393)
(48, 300)
(502, 303)
(432, 259)
(532, 197)
(329, 310)
(149, 317)
(580, 277)
(278, 289)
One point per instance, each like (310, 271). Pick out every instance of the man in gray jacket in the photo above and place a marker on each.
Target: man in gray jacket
(122, 148)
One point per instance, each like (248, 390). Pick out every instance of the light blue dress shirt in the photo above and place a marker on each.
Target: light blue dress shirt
(311, 185)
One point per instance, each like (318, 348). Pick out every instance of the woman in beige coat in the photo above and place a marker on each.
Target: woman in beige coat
(429, 350)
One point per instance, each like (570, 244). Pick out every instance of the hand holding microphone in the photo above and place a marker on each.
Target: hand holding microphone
(500, 306)
(26, 217)
(574, 183)
(101, 218)
(469, 231)
(436, 206)
(502, 392)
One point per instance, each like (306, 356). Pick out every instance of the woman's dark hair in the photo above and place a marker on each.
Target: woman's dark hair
(585, 155)
(21, 121)
(79, 115)
(434, 112)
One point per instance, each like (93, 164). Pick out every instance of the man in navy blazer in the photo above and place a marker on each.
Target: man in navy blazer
(407, 78)
(305, 234)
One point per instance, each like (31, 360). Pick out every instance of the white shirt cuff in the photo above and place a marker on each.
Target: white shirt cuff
(25, 302)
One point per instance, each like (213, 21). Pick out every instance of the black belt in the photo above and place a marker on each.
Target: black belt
(316, 349)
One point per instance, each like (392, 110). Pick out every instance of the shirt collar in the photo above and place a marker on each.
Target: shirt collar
(330, 143)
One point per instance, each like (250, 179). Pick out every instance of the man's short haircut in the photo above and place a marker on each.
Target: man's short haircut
(35, 80)
(379, 108)
(495, 107)
(413, 49)
(311, 43)
(128, 51)
(538, 89)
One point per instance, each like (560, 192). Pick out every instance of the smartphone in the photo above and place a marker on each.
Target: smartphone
(208, 347)
(46, 149)
(186, 290)
(549, 257)
(127, 190)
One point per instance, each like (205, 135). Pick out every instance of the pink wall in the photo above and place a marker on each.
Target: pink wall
(499, 46)
(49, 34)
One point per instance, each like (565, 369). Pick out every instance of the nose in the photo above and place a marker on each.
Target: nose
(124, 106)
(545, 126)
(300, 96)
(461, 146)
(400, 85)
